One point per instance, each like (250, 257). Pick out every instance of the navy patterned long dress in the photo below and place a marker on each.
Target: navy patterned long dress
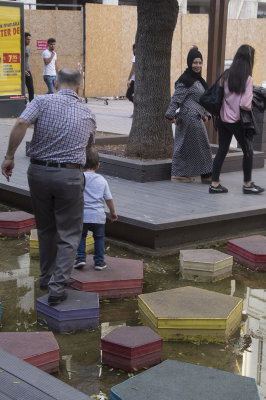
(192, 152)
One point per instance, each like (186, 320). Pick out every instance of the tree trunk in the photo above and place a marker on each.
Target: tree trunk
(151, 134)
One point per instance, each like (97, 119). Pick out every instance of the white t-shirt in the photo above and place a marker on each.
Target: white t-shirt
(49, 69)
(133, 62)
(96, 191)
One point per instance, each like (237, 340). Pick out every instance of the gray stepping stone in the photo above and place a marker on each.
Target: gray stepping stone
(181, 381)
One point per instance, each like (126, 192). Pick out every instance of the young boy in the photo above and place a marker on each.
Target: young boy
(96, 193)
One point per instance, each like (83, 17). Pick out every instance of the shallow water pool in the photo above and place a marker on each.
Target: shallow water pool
(80, 364)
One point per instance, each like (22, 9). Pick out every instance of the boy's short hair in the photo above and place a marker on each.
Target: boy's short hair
(92, 159)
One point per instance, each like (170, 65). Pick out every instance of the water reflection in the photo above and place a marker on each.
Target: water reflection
(254, 359)
(23, 281)
(80, 364)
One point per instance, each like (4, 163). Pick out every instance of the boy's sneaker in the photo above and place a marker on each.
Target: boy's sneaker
(79, 263)
(252, 189)
(217, 189)
(99, 265)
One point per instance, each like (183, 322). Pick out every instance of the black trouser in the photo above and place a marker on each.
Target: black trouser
(130, 91)
(29, 84)
(226, 132)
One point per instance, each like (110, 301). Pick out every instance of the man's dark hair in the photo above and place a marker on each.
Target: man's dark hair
(92, 159)
(27, 34)
(69, 77)
(51, 40)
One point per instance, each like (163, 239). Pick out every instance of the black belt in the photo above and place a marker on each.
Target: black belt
(56, 165)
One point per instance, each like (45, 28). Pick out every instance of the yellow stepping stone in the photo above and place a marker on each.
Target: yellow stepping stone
(205, 265)
(191, 314)
(34, 244)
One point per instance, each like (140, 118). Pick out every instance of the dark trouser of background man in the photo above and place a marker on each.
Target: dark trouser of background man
(29, 84)
(130, 92)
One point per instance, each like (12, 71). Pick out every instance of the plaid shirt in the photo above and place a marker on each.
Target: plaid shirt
(62, 127)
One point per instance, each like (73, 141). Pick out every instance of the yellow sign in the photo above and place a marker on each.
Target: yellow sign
(10, 51)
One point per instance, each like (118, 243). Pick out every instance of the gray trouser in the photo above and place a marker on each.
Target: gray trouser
(57, 200)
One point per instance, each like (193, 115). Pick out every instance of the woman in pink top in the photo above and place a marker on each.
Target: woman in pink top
(238, 93)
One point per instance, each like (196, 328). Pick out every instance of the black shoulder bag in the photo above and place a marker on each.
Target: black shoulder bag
(212, 98)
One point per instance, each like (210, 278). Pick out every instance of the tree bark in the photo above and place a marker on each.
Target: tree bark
(151, 134)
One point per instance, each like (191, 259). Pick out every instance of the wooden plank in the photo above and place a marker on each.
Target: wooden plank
(20, 380)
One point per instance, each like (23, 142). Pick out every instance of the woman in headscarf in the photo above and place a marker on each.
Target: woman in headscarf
(192, 153)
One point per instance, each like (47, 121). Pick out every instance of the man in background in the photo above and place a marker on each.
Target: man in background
(63, 128)
(131, 78)
(28, 76)
(49, 59)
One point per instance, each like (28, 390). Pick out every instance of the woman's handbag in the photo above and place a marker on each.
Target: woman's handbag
(212, 98)
(248, 122)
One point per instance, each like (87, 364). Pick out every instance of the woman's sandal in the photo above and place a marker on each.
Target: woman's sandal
(184, 179)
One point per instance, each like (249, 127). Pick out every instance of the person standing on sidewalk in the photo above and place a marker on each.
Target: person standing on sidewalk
(238, 94)
(63, 128)
(49, 59)
(28, 76)
(96, 194)
(131, 78)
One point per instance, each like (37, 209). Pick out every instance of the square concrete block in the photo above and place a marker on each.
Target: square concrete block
(131, 348)
(182, 381)
(249, 251)
(205, 265)
(80, 311)
(191, 314)
(34, 244)
(15, 223)
(122, 278)
(37, 348)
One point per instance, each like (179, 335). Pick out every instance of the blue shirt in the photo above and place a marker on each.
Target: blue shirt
(96, 191)
(62, 127)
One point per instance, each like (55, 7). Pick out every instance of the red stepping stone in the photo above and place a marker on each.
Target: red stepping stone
(249, 251)
(37, 348)
(122, 278)
(15, 223)
(131, 348)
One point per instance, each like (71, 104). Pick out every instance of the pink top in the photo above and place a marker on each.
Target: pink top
(230, 110)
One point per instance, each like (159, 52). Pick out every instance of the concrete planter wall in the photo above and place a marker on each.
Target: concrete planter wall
(150, 171)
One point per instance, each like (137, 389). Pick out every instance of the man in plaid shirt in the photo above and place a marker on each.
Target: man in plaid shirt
(63, 128)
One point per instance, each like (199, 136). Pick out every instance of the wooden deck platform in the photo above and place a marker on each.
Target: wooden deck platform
(20, 380)
(162, 217)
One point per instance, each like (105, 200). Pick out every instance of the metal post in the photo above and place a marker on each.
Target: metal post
(216, 47)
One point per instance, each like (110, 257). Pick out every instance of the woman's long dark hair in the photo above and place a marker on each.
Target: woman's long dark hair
(240, 69)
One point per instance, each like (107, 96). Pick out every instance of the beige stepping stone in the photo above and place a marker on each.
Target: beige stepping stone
(205, 265)
(191, 314)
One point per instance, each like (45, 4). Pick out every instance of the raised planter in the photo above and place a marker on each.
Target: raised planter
(148, 171)
(105, 138)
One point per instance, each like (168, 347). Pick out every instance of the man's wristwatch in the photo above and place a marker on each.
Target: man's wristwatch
(9, 158)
